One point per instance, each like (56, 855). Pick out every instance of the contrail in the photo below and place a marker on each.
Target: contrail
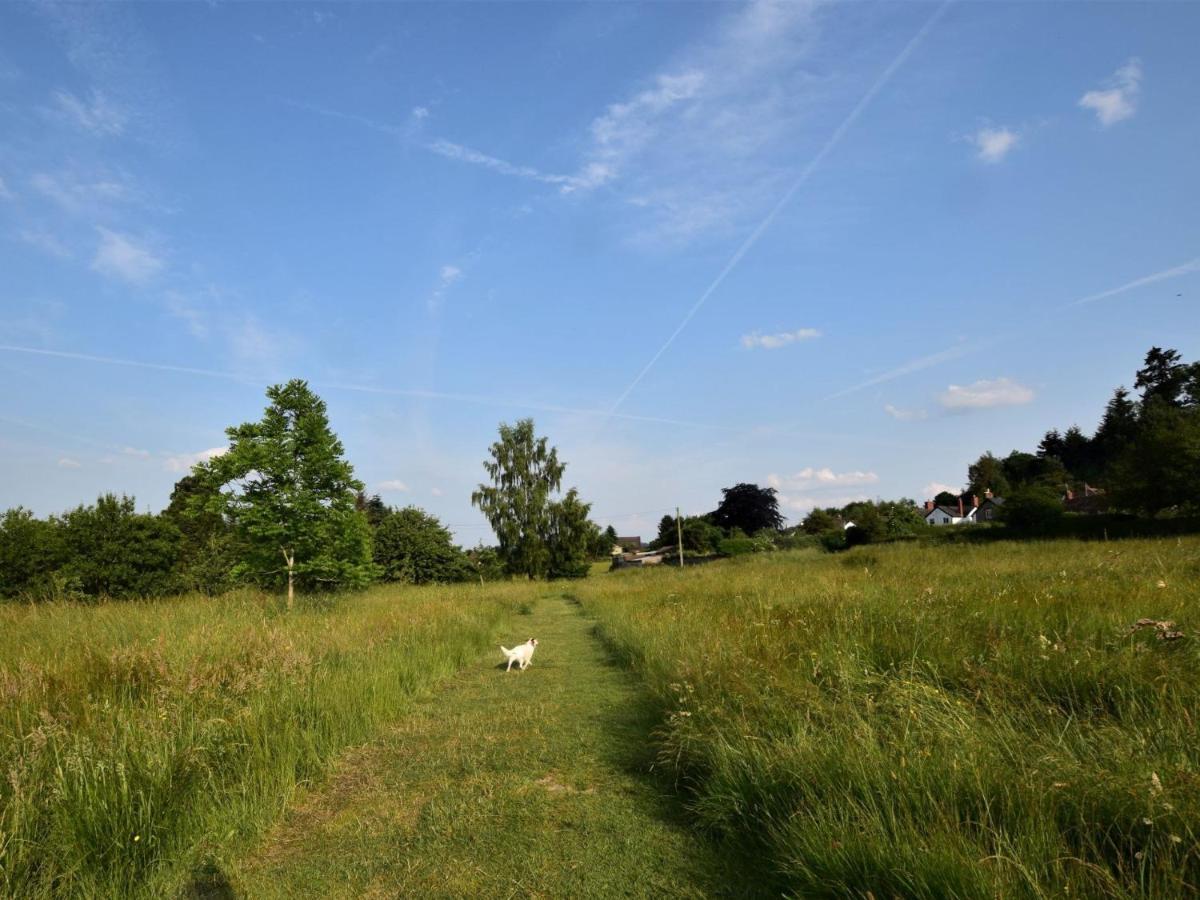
(807, 172)
(934, 359)
(1187, 267)
(414, 393)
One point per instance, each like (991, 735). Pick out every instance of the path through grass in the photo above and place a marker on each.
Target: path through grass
(501, 784)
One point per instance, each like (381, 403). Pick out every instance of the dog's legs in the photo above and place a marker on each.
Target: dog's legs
(509, 666)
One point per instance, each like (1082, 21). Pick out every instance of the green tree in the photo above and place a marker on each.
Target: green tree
(945, 498)
(372, 507)
(701, 536)
(525, 474)
(206, 552)
(290, 497)
(114, 551)
(1117, 430)
(414, 547)
(818, 521)
(569, 537)
(1160, 469)
(31, 549)
(1163, 377)
(610, 536)
(748, 507)
(1032, 509)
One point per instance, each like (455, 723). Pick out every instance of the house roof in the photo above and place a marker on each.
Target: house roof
(952, 511)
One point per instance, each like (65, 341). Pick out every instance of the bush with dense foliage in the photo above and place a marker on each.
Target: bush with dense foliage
(413, 547)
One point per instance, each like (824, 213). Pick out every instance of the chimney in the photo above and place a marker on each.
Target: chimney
(928, 506)
(974, 501)
(988, 493)
(960, 506)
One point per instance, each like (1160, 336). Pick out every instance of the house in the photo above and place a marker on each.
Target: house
(1089, 501)
(964, 512)
(959, 514)
(630, 543)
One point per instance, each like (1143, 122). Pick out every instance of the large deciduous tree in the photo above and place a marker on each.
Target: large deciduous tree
(748, 507)
(538, 536)
(414, 547)
(290, 497)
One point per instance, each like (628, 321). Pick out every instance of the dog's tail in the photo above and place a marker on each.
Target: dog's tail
(505, 650)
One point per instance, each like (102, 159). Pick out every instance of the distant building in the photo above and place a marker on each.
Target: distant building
(1088, 501)
(967, 511)
(630, 543)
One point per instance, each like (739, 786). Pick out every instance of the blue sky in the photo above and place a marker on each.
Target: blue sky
(841, 248)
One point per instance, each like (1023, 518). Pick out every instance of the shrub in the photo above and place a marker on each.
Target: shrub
(114, 551)
(1032, 510)
(30, 550)
(413, 546)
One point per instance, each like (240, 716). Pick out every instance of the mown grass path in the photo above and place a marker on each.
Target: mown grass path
(500, 784)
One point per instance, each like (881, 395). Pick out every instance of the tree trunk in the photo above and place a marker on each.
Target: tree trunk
(291, 563)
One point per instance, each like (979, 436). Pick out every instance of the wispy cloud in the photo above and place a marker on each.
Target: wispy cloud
(985, 394)
(183, 462)
(810, 478)
(99, 115)
(781, 339)
(472, 399)
(447, 276)
(394, 485)
(1117, 100)
(46, 242)
(67, 463)
(993, 144)
(5, 193)
(760, 15)
(126, 258)
(459, 153)
(134, 451)
(82, 196)
(905, 415)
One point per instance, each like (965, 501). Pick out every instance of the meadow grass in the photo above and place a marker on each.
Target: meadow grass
(143, 743)
(956, 721)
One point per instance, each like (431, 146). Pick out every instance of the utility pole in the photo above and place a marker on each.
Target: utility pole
(679, 532)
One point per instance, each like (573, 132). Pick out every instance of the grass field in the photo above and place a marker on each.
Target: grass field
(142, 743)
(932, 722)
(897, 721)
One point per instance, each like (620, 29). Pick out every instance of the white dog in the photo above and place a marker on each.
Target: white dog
(522, 654)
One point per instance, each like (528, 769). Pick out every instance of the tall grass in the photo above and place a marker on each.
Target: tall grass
(957, 721)
(142, 743)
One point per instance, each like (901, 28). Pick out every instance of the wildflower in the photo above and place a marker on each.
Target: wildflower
(1162, 583)
(136, 838)
(1155, 784)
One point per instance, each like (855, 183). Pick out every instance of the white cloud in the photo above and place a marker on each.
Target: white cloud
(437, 492)
(100, 116)
(775, 341)
(393, 485)
(993, 144)
(134, 451)
(802, 504)
(420, 112)
(934, 488)
(1118, 99)
(450, 274)
(184, 461)
(905, 415)
(812, 478)
(121, 256)
(5, 193)
(985, 394)
(459, 153)
(67, 463)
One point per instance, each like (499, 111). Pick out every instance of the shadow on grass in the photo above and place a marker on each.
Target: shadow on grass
(208, 882)
(734, 870)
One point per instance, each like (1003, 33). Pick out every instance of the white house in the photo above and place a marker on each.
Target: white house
(962, 514)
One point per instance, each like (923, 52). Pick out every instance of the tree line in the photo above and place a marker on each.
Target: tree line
(1143, 455)
(282, 509)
